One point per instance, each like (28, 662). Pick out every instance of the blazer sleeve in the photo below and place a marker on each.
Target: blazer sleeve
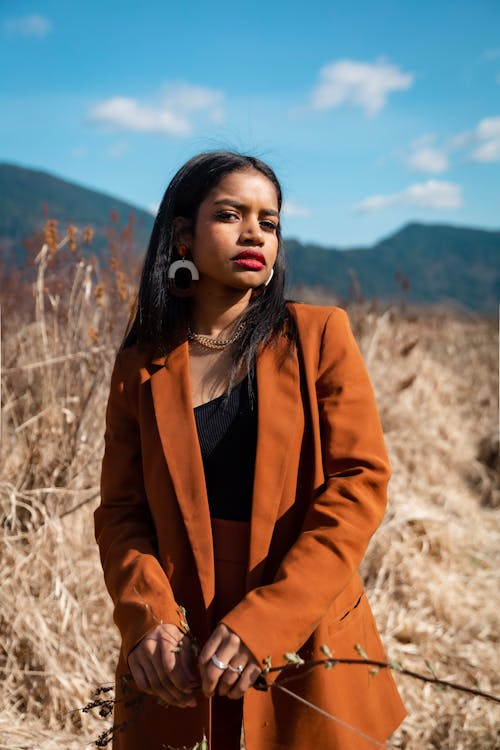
(124, 528)
(340, 519)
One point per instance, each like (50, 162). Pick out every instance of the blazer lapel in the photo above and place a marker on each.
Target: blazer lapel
(173, 406)
(278, 395)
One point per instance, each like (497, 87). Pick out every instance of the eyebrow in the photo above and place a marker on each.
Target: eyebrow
(237, 204)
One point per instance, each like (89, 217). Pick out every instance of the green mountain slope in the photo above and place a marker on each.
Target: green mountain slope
(436, 263)
(29, 197)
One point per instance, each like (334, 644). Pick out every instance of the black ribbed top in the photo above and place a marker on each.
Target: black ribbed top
(227, 431)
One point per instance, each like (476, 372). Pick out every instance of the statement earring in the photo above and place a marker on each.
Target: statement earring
(182, 274)
(260, 289)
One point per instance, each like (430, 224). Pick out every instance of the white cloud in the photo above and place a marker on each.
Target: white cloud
(121, 113)
(363, 84)
(433, 194)
(191, 98)
(429, 159)
(153, 208)
(187, 98)
(483, 144)
(425, 156)
(487, 136)
(172, 114)
(376, 203)
(32, 25)
(293, 210)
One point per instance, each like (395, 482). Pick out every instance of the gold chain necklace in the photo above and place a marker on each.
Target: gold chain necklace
(211, 342)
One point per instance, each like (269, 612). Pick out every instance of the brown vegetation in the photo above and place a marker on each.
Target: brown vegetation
(431, 570)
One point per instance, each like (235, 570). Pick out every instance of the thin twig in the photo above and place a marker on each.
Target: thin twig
(56, 360)
(34, 419)
(385, 665)
(319, 710)
(56, 491)
(78, 505)
(31, 672)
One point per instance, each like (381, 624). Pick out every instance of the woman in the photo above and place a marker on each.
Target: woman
(243, 476)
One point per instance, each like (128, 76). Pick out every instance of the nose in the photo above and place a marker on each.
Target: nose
(251, 232)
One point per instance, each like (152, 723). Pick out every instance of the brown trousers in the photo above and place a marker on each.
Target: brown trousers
(231, 544)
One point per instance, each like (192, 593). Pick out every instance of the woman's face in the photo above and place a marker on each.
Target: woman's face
(235, 238)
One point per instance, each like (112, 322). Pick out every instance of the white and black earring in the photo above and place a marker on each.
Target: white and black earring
(182, 274)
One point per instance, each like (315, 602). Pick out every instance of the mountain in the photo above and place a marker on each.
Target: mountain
(435, 263)
(29, 197)
(427, 264)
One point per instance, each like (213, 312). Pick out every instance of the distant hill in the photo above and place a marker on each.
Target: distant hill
(437, 264)
(433, 263)
(29, 197)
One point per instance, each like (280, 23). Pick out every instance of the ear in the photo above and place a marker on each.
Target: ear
(182, 231)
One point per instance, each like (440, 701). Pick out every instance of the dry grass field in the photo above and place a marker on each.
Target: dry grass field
(431, 571)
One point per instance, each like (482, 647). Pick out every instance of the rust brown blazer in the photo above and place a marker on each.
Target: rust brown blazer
(319, 494)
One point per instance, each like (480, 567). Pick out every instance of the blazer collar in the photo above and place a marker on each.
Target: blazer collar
(278, 396)
(171, 390)
(278, 399)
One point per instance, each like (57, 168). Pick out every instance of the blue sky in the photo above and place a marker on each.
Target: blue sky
(372, 113)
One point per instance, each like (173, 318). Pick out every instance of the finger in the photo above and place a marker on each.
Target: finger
(210, 647)
(174, 671)
(177, 695)
(231, 676)
(211, 674)
(167, 648)
(139, 676)
(153, 684)
(159, 684)
(247, 679)
(166, 660)
(224, 644)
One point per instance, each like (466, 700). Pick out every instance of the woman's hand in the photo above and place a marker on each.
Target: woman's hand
(243, 669)
(162, 664)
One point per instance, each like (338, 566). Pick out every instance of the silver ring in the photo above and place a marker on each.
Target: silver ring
(218, 663)
(238, 670)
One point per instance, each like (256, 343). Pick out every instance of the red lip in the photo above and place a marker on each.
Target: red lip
(251, 255)
(251, 264)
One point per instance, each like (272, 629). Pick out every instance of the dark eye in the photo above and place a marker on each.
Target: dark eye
(269, 226)
(227, 215)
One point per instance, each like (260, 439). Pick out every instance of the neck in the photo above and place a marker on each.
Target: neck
(211, 314)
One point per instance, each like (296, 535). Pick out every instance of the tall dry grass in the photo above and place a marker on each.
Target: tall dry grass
(431, 571)
(56, 635)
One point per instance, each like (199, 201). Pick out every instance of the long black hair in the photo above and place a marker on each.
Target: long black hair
(160, 319)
